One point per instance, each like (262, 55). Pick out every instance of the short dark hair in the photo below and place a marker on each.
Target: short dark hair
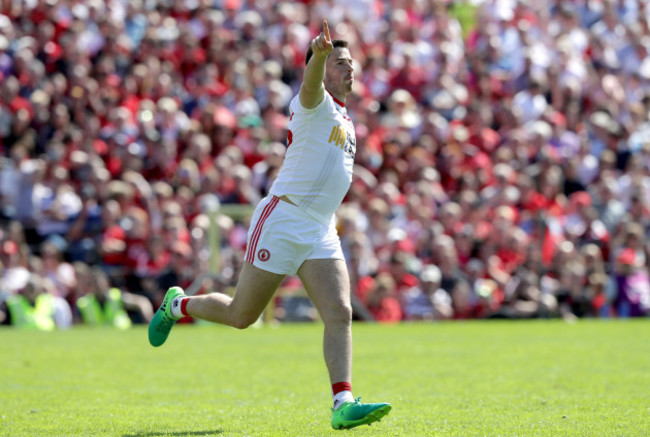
(336, 43)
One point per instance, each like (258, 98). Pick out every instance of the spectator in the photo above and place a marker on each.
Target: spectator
(428, 301)
(101, 304)
(382, 300)
(55, 268)
(574, 298)
(524, 299)
(486, 295)
(179, 269)
(15, 274)
(453, 281)
(38, 307)
(632, 286)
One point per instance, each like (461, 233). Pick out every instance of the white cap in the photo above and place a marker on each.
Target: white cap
(430, 273)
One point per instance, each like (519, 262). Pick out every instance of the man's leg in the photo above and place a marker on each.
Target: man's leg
(328, 285)
(254, 291)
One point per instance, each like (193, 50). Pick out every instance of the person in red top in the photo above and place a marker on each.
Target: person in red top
(382, 300)
(113, 238)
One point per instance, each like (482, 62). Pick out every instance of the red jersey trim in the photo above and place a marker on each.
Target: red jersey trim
(340, 103)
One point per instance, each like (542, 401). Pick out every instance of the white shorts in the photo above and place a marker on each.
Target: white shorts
(282, 236)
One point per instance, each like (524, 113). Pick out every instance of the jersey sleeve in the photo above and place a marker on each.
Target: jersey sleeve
(296, 106)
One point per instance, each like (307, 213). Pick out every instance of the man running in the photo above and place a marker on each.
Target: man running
(293, 230)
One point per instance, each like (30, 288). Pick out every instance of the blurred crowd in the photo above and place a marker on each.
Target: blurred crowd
(502, 168)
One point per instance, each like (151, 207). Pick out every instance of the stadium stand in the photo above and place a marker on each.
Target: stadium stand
(504, 142)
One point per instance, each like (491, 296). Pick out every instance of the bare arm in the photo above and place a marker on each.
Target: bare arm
(312, 89)
(135, 302)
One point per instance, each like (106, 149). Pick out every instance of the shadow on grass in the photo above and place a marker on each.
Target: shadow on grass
(175, 433)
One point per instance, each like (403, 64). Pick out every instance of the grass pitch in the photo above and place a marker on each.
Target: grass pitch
(484, 378)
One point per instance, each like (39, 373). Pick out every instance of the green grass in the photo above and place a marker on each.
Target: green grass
(540, 378)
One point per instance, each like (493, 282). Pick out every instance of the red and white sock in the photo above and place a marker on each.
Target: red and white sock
(179, 307)
(341, 393)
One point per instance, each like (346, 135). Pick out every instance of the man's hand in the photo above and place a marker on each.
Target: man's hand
(322, 44)
(312, 89)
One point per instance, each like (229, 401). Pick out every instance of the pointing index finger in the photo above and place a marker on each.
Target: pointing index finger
(326, 30)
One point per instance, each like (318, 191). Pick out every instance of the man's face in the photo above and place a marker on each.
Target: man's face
(339, 73)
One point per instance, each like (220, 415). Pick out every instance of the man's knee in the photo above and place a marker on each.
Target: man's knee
(244, 321)
(341, 314)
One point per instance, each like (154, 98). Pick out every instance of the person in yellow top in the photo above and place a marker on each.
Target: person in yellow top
(36, 307)
(106, 305)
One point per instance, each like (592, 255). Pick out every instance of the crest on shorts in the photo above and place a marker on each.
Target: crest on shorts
(263, 255)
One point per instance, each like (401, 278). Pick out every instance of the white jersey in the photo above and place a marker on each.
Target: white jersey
(317, 169)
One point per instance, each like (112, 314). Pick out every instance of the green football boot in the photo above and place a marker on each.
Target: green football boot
(163, 320)
(353, 414)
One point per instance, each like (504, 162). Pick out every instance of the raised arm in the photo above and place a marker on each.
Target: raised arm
(312, 89)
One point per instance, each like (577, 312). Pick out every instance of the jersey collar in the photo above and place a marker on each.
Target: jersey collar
(340, 103)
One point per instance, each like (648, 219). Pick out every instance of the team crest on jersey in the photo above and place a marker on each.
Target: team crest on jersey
(263, 255)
